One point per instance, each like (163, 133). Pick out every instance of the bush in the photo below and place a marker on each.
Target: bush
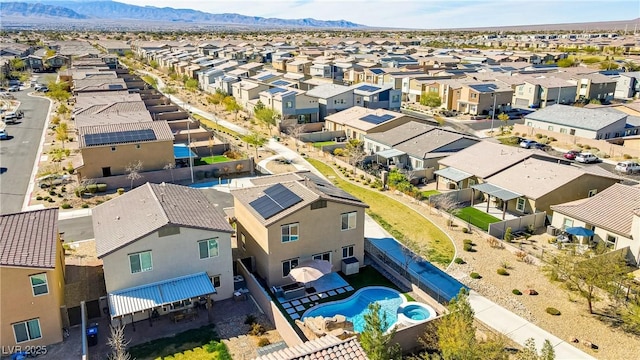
(552, 139)
(459, 261)
(468, 247)
(553, 311)
(66, 206)
(516, 292)
(52, 193)
(250, 319)
(503, 272)
(120, 191)
(92, 188)
(465, 230)
(538, 136)
(84, 206)
(338, 151)
(508, 237)
(38, 197)
(101, 187)
(257, 330)
(51, 200)
(475, 275)
(263, 341)
(60, 195)
(467, 241)
(627, 156)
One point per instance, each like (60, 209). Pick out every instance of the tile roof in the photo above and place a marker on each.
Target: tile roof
(327, 347)
(29, 239)
(589, 119)
(352, 117)
(611, 209)
(161, 130)
(149, 207)
(436, 140)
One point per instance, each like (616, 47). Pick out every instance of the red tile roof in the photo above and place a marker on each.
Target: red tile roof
(29, 239)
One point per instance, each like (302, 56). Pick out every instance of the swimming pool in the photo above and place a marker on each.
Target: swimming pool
(356, 306)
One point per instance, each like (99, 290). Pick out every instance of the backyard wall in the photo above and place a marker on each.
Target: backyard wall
(460, 196)
(498, 229)
(321, 136)
(263, 300)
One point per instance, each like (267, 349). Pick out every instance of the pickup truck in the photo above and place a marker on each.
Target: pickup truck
(628, 167)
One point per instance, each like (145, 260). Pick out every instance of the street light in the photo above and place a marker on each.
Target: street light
(493, 112)
(189, 148)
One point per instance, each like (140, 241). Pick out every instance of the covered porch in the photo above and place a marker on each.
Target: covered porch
(498, 196)
(178, 299)
(392, 158)
(454, 178)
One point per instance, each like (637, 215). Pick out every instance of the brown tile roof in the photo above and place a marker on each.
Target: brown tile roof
(149, 207)
(161, 130)
(327, 347)
(612, 209)
(352, 117)
(29, 239)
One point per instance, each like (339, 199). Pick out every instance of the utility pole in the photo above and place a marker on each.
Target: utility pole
(493, 112)
(189, 148)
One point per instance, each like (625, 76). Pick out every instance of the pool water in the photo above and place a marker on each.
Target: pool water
(416, 312)
(356, 306)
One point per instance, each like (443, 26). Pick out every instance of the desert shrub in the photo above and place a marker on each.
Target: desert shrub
(51, 200)
(538, 136)
(257, 330)
(508, 236)
(84, 206)
(38, 197)
(579, 145)
(627, 156)
(468, 247)
(52, 193)
(60, 195)
(467, 241)
(516, 292)
(263, 341)
(521, 255)
(120, 191)
(101, 187)
(475, 275)
(66, 206)
(505, 264)
(553, 311)
(465, 230)
(92, 188)
(587, 147)
(459, 261)
(552, 139)
(503, 272)
(46, 198)
(494, 243)
(338, 152)
(516, 134)
(250, 319)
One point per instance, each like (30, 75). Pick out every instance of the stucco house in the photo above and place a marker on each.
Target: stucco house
(542, 92)
(286, 219)
(31, 280)
(332, 98)
(358, 121)
(612, 214)
(173, 249)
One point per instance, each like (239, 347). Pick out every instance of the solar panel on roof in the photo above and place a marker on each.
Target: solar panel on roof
(282, 196)
(280, 83)
(375, 119)
(118, 137)
(265, 207)
(266, 77)
(368, 88)
(276, 90)
(115, 87)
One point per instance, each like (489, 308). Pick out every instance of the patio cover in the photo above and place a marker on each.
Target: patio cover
(390, 153)
(453, 174)
(181, 151)
(496, 191)
(140, 298)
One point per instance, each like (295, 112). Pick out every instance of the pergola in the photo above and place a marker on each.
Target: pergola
(496, 192)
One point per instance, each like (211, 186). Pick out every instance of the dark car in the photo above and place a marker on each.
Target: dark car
(14, 88)
(571, 154)
(540, 146)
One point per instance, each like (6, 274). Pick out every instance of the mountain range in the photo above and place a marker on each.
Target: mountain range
(113, 10)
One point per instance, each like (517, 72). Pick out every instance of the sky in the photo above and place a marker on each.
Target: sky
(420, 14)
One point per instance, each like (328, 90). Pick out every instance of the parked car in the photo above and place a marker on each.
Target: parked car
(528, 144)
(41, 88)
(628, 167)
(571, 154)
(587, 158)
(10, 117)
(541, 146)
(53, 179)
(4, 135)
(14, 88)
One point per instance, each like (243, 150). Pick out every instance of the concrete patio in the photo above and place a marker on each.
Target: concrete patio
(494, 211)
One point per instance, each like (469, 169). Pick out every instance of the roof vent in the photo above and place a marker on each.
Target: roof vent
(117, 218)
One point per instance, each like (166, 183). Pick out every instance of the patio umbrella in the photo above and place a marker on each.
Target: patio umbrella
(311, 270)
(579, 231)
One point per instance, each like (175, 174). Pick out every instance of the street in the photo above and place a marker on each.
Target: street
(18, 153)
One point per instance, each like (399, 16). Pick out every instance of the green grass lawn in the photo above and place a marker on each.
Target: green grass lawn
(426, 194)
(401, 221)
(194, 344)
(476, 217)
(320, 144)
(214, 159)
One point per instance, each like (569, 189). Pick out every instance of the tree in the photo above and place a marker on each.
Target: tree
(375, 339)
(118, 344)
(17, 64)
(256, 139)
(191, 85)
(356, 152)
(588, 272)
(151, 81)
(529, 351)
(564, 63)
(61, 132)
(505, 121)
(169, 90)
(295, 131)
(430, 99)
(216, 98)
(631, 316)
(231, 105)
(448, 204)
(153, 64)
(267, 116)
(629, 66)
(133, 171)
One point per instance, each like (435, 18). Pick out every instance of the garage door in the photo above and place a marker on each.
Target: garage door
(521, 103)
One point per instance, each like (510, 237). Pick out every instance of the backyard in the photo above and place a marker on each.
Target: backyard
(476, 217)
(399, 220)
(211, 160)
(202, 343)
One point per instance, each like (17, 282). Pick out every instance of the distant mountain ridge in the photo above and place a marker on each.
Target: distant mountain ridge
(113, 10)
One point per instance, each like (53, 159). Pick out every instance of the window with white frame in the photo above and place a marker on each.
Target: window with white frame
(289, 104)
(27, 330)
(243, 241)
(215, 280)
(140, 262)
(520, 204)
(208, 248)
(592, 192)
(348, 221)
(289, 232)
(567, 223)
(323, 256)
(347, 251)
(39, 284)
(611, 241)
(287, 265)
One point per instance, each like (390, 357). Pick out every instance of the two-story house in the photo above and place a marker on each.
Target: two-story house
(332, 98)
(357, 121)
(480, 98)
(376, 97)
(294, 106)
(290, 218)
(32, 279)
(174, 249)
(543, 92)
(247, 90)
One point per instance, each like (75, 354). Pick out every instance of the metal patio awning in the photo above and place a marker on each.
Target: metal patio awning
(453, 174)
(496, 191)
(390, 153)
(149, 296)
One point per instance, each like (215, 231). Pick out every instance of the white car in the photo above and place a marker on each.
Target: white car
(53, 179)
(586, 158)
(628, 167)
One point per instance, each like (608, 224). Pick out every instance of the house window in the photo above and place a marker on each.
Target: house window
(520, 204)
(27, 330)
(592, 192)
(323, 256)
(529, 123)
(289, 232)
(208, 248)
(611, 241)
(215, 280)
(243, 241)
(563, 131)
(319, 204)
(347, 251)
(39, 284)
(348, 221)
(287, 265)
(289, 104)
(550, 128)
(113, 148)
(567, 223)
(140, 262)
(472, 182)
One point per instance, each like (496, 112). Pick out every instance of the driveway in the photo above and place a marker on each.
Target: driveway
(18, 153)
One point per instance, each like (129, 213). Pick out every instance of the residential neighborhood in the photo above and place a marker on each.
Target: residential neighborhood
(292, 195)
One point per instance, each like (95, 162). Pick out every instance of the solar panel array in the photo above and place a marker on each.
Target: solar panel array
(276, 90)
(118, 137)
(377, 71)
(368, 88)
(276, 198)
(280, 83)
(266, 77)
(375, 119)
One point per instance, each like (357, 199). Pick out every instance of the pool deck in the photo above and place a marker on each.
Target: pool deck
(327, 286)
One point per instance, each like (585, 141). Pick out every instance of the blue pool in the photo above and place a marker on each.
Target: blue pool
(356, 306)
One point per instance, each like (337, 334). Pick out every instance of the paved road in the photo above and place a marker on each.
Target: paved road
(76, 228)
(18, 153)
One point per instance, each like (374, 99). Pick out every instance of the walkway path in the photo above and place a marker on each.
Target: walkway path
(491, 314)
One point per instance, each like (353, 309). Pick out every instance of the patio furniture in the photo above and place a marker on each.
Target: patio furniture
(294, 290)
